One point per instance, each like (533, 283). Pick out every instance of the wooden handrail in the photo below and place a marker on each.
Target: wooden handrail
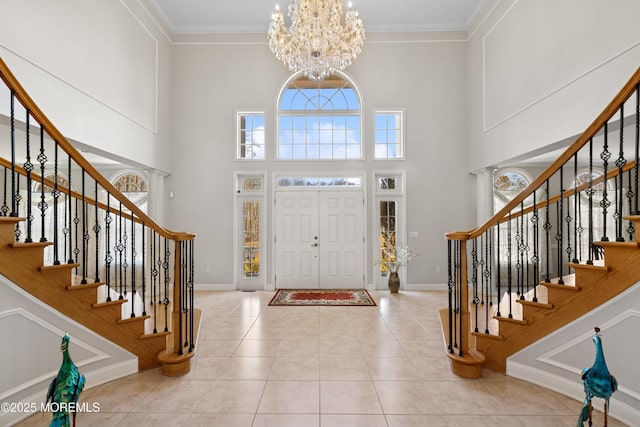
(591, 131)
(23, 97)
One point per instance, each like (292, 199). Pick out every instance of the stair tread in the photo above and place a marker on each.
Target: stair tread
(559, 286)
(618, 244)
(535, 303)
(109, 303)
(56, 267)
(511, 320)
(154, 335)
(134, 319)
(11, 219)
(21, 245)
(79, 287)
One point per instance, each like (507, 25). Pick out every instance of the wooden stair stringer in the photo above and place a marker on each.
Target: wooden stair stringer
(50, 284)
(595, 285)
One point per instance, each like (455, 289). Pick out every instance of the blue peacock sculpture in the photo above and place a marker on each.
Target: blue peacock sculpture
(598, 382)
(65, 388)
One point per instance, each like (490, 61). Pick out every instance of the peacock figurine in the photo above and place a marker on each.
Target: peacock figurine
(65, 388)
(598, 382)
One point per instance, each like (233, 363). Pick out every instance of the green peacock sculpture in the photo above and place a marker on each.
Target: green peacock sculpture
(65, 388)
(598, 382)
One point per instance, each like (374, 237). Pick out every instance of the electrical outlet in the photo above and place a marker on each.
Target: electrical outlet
(437, 269)
(208, 269)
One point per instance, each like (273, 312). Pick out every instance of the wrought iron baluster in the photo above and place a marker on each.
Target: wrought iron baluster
(525, 258)
(70, 209)
(509, 277)
(125, 262)
(133, 266)
(154, 281)
(4, 209)
(85, 235)
(96, 231)
(630, 226)
(461, 308)
(559, 218)
(108, 258)
(519, 246)
(450, 295)
(179, 282)
(604, 203)
(192, 294)
(56, 195)
(547, 229)
(28, 167)
(620, 163)
(535, 259)
(576, 197)
(498, 267)
(14, 185)
(144, 270)
(119, 249)
(636, 211)
(166, 300)
(76, 223)
(18, 199)
(487, 278)
(42, 159)
(65, 228)
(590, 192)
(474, 279)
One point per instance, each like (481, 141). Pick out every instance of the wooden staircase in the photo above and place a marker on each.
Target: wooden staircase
(558, 304)
(22, 263)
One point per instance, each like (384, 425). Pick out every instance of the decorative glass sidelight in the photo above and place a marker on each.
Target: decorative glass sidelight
(388, 230)
(251, 239)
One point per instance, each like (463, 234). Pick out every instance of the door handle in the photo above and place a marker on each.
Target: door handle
(314, 245)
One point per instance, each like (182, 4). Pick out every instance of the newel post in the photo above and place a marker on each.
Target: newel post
(464, 359)
(176, 314)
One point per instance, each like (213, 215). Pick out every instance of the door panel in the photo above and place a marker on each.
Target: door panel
(296, 232)
(341, 239)
(319, 239)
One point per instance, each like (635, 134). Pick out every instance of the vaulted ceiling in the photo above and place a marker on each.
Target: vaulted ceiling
(253, 16)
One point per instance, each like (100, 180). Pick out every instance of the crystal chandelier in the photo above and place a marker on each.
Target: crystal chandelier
(317, 43)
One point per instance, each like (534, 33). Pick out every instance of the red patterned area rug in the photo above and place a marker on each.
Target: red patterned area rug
(341, 297)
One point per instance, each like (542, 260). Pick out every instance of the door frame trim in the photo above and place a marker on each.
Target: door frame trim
(271, 211)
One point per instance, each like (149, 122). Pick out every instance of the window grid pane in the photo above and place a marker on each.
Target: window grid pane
(251, 134)
(388, 135)
(387, 236)
(319, 120)
(251, 239)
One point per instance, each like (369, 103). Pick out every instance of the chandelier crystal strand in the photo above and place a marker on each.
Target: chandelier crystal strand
(317, 42)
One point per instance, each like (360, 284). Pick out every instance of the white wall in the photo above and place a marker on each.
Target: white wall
(541, 71)
(98, 70)
(557, 360)
(426, 77)
(30, 355)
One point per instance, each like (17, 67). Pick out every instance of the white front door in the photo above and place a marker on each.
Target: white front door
(319, 239)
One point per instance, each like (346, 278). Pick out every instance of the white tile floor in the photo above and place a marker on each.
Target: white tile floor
(384, 366)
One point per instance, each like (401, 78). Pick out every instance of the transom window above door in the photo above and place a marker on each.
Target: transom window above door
(319, 119)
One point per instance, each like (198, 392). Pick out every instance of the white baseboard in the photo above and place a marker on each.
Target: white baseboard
(368, 286)
(214, 287)
(427, 287)
(573, 389)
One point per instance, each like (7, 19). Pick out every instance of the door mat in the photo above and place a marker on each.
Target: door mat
(340, 297)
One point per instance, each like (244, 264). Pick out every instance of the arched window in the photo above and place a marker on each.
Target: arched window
(134, 186)
(507, 184)
(319, 119)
